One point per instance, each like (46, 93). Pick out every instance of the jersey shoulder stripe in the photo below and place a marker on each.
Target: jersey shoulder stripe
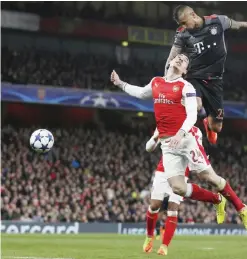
(180, 29)
(213, 16)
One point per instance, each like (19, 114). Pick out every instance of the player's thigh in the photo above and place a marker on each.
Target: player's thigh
(212, 178)
(160, 188)
(196, 155)
(197, 163)
(212, 100)
(174, 161)
(174, 198)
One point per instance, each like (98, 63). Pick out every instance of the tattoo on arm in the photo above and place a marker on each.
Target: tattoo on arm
(175, 50)
(235, 25)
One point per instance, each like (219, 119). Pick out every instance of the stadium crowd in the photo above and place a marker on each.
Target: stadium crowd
(89, 176)
(159, 14)
(92, 72)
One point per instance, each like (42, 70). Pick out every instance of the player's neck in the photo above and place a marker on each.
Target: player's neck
(172, 74)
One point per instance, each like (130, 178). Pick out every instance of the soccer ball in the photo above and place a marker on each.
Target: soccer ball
(41, 140)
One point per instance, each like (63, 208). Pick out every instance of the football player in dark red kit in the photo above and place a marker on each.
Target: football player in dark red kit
(202, 38)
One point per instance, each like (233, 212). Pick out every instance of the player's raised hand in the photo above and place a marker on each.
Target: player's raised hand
(115, 78)
(175, 140)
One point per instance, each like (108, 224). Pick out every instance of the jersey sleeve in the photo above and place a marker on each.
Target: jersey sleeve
(225, 21)
(137, 91)
(152, 144)
(190, 103)
(178, 40)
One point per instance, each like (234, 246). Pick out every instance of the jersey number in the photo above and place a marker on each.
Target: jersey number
(220, 114)
(196, 156)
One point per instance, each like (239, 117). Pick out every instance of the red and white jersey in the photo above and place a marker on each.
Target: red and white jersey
(175, 104)
(169, 104)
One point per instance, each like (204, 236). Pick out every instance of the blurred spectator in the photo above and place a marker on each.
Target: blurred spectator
(92, 72)
(111, 182)
(131, 12)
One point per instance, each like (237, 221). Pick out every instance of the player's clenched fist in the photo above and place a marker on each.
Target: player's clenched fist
(115, 78)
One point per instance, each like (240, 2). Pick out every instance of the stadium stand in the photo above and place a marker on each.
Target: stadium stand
(92, 72)
(89, 176)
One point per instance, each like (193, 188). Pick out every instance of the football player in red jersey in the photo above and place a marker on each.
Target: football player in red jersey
(161, 189)
(202, 38)
(175, 109)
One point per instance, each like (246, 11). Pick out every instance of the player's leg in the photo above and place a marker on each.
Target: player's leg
(171, 223)
(151, 220)
(193, 191)
(201, 165)
(210, 95)
(152, 216)
(225, 189)
(213, 103)
(157, 196)
(175, 164)
(158, 225)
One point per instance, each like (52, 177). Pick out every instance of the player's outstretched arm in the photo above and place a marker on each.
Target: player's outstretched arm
(153, 142)
(235, 25)
(175, 50)
(133, 90)
(228, 23)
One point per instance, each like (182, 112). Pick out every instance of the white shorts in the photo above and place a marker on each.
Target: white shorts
(162, 189)
(189, 153)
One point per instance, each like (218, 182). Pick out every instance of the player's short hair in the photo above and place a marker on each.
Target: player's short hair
(178, 11)
(185, 54)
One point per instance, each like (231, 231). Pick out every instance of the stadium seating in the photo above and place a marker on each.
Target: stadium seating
(92, 72)
(89, 176)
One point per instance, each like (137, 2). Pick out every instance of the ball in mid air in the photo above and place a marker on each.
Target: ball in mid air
(41, 140)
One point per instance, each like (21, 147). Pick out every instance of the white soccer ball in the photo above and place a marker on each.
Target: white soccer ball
(41, 140)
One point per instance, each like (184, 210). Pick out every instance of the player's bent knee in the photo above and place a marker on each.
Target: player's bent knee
(214, 124)
(155, 205)
(216, 127)
(172, 206)
(212, 178)
(179, 189)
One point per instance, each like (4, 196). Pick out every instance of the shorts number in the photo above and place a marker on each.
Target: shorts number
(220, 114)
(196, 155)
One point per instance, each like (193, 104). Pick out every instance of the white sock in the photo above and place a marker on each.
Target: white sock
(153, 211)
(189, 190)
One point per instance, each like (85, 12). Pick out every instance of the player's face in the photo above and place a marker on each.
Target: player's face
(188, 20)
(181, 63)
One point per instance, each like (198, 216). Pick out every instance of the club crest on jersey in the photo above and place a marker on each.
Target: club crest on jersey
(175, 88)
(213, 30)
